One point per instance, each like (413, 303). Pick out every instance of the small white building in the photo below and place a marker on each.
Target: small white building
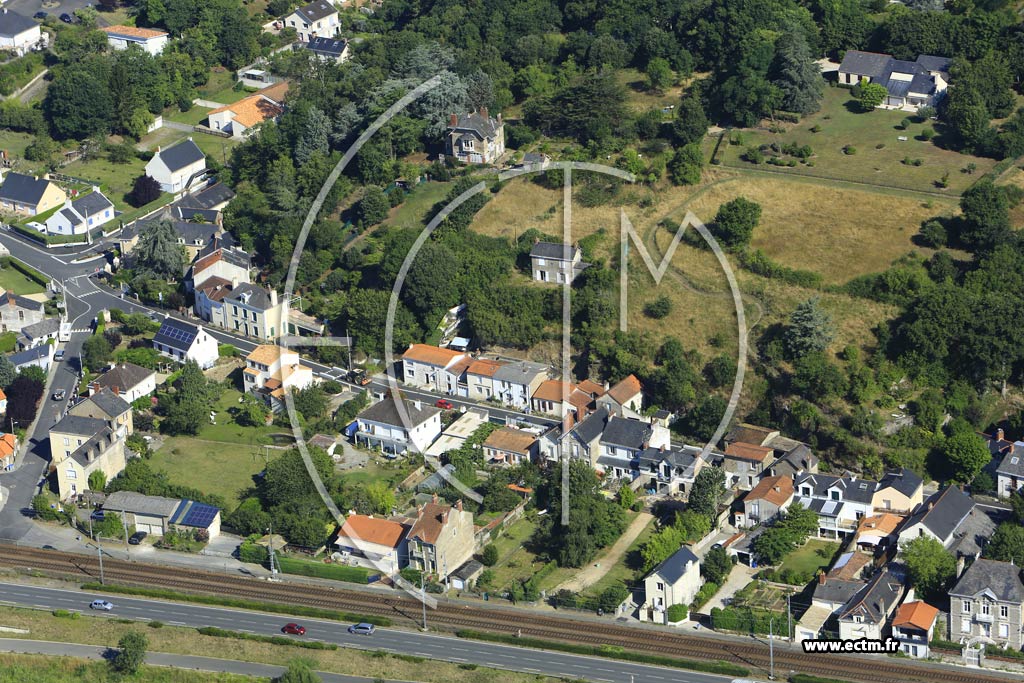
(318, 19)
(127, 380)
(122, 37)
(182, 341)
(177, 168)
(40, 356)
(18, 33)
(381, 426)
(373, 543)
(82, 215)
(673, 582)
(241, 118)
(913, 626)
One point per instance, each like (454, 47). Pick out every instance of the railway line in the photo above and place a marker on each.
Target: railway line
(406, 611)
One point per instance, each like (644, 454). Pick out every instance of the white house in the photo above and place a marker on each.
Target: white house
(373, 543)
(516, 382)
(40, 356)
(182, 341)
(318, 19)
(913, 626)
(673, 582)
(127, 380)
(121, 37)
(381, 426)
(82, 215)
(177, 168)
(18, 312)
(939, 517)
(333, 50)
(428, 367)
(241, 118)
(625, 399)
(18, 33)
(1010, 472)
(271, 371)
(840, 502)
(866, 615)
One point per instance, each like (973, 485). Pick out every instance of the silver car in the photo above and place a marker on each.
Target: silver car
(101, 604)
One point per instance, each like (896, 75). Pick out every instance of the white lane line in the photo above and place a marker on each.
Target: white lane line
(177, 623)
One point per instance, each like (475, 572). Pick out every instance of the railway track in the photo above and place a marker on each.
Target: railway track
(406, 610)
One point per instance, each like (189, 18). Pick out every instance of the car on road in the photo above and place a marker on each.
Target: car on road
(101, 604)
(40, 15)
(358, 377)
(444, 404)
(59, 355)
(362, 629)
(137, 537)
(294, 629)
(67, 18)
(59, 395)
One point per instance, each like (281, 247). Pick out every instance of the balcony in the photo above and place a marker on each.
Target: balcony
(980, 618)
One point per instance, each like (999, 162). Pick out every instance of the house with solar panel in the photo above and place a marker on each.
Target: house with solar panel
(331, 50)
(177, 168)
(81, 216)
(156, 515)
(181, 341)
(908, 85)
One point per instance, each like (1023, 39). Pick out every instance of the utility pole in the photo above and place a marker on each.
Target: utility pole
(273, 570)
(771, 649)
(99, 554)
(789, 613)
(124, 524)
(423, 599)
(349, 350)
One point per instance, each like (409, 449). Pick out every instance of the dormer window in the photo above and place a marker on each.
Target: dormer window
(834, 495)
(805, 490)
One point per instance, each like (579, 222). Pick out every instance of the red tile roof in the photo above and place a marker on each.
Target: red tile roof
(372, 530)
(625, 390)
(434, 355)
(917, 614)
(747, 451)
(775, 490)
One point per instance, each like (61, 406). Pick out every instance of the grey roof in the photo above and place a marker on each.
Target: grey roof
(853, 489)
(943, 512)
(534, 158)
(1002, 578)
(23, 189)
(12, 23)
(110, 403)
(80, 425)
(871, 64)
(437, 480)
(592, 426)
(674, 568)
(933, 63)
(72, 217)
(386, 412)
(9, 298)
(181, 155)
(44, 327)
(207, 198)
(317, 10)
(484, 127)
(189, 233)
(799, 459)
(130, 501)
(553, 251)
(877, 599)
(30, 355)
(823, 507)
(333, 47)
(628, 433)
(81, 454)
(684, 457)
(468, 570)
(123, 377)
(836, 591)
(176, 334)
(903, 480)
(188, 213)
(519, 372)
(897, 88)
(250, 295)
(91, 204)
(1012, 464)
(880, 68)
(973, 533)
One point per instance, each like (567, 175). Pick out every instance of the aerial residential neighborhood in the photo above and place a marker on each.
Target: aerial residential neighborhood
(527, 341)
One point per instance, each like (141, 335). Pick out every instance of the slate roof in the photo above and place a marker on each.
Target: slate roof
(685, 457)
(130, 501)
(620, 431)
(880, 68)
(748, 433)
(592, 426)
(23, 189)
(110, 403)
(176, 334)
(386, 412)
(484, 127)
(79, 425)
(800, 459)
(903, 480)
(934, 63)
(91, 204)
(519, 372)
(468, 570)
(855, 490)
(258, 297)
(552, 251)
(30, 355)
(181, 155)
(315, 11)
(876, 599)
(674, 568)
(836, 590)
(12, 23)
(1002, 578)
(81, 454)
(871, 64)
(122, 377)
(188, 213)
(41, 329)
(11, 299)
(208, 198)
(1012, 464)
(973, 533)
(189, 233)
(942, 512)
(333, 47)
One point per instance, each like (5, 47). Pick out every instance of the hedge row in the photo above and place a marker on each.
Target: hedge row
(300, 610)
(609, 652)
(759, 263)
(1007, 653)
(273, 640)
(747, 620)
(27, 271)
(940, 644)
(322, 570)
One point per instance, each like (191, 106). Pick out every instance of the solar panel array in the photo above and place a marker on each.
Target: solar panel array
(199, 515)
(178, 334)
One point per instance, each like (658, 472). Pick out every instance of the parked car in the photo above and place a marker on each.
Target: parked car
(444, 404)
(97, 515)
(67, 18)
(59, 395)
(137, 537)
(59, 355)
(40, 15)
(294, 629)
(101, 604)
(363, 629)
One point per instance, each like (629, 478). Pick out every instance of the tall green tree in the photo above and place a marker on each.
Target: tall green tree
(707, 490)
(7, 372)
(810, 329)
(930, 567)
(1007, 544)
(685, 166)
(871, 96)
(158, 253)
(131, 653)
(986, 216)
(78, 104)
(735, 221)
(796, 75)
(966, 454)
(659, 74)
(691, 123)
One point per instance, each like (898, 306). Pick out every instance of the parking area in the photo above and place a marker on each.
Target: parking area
(52, 7)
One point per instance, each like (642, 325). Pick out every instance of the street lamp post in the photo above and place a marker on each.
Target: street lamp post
(771, 649)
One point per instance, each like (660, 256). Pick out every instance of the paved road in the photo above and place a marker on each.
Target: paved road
(390, 640)
(97, 652)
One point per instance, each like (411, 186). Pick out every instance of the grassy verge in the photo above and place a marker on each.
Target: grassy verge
(609, 652)
(300, 610)
(274, 640)
(129, 216)
(804, 678)
(335, 572)
(49, 669)
(14, 278)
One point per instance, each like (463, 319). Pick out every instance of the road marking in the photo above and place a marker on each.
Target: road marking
(177, 623)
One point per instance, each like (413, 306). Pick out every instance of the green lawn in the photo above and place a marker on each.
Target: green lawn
(516, 562)
(12, 280)
(412, 213)
(807, 560)
(115, 180)
(228, 431)
(879, 153)
(627, 569)
(14, 143)
(192, 117)
(217, 467)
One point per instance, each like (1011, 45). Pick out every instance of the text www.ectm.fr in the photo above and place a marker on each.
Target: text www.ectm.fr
(864, 645)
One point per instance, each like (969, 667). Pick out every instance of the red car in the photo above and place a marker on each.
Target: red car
(294, 629)
(444, 404)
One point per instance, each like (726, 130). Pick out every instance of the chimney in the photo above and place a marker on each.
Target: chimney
(499, 117)
(158, 149)
(234, 282)
(881, 607)
(91, 454)
(458, 505)
(418, 405)
(960, 562)
(273, 297)
(433, 498)
(999, 434)
(821, 578)
(453, 120)
(483, 112)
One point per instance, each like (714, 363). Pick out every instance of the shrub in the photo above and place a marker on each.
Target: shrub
(754, 155)
(904, 124)
(156, 624)
(132, 652)
(816, 128)
(489, 556)
(849, 150)
(927, 134)
(144, 190)
(226, 351)
(659, 308)
(706, 592)
(677, 612)
(253, 552)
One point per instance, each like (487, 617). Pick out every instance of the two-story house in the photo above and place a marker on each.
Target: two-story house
(673, 582)
(18, 33)
(271, 371)
(509, 446)
(951, 517)
(441, 539)
(745, 463)
(374, 543)
(181, 341)
(382, 426)
(29, 195)
(988, 602)
(480, 378)
(475, 138)
(621, 443)
(898, 492)
(559, 398)
(8, 441)
(250, 310)
(81, 216)
(515, 382)
(177, 168)
(318, 19)
(796, 460)
(91, 437)
(913, 626)
(330, 50)
(18, 312)
(551, 262)
(668, 470)
(1010, 471)
(431, 367)
(867, 613)
(128, 381)
(839, 502)
(625, 398)
(230, 265)
(765, 502)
